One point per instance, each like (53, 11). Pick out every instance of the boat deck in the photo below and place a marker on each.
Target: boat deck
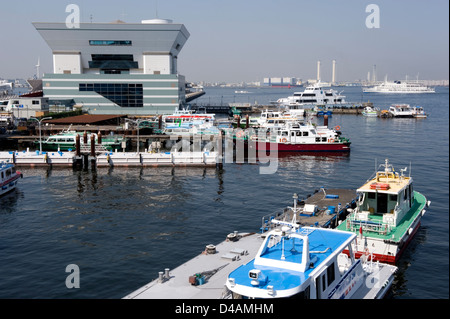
(397, 232)
(229, 256)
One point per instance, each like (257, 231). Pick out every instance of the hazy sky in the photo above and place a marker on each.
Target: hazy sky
(247, 40)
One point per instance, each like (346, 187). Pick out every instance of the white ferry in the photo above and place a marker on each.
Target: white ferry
(312, 96)
(399, 87)
(387, 215)
(8, 177)
(296, 136)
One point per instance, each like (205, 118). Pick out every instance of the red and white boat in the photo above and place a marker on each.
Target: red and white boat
(301, 137)
(8, 177)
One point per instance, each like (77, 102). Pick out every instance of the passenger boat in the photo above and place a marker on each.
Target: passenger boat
(370, 111)
(399, 87)
(66, 140)
(186, 115)
(192, 127)
(8, 177)
(387, 215)
(309, 263)
(301, 137)
(313, 95)
(401, 110)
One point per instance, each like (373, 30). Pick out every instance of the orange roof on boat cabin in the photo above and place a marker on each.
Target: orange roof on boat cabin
(394, 182)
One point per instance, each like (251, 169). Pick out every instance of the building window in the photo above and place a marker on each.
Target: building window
(35, 102)
(110, 62)
(110, 42)
(123, 94)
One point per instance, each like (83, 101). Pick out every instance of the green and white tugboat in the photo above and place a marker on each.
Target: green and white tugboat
(387, 215)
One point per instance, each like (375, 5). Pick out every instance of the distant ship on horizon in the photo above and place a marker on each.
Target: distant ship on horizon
(399, 87)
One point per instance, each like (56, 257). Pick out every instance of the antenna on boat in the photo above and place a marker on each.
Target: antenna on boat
(409, 169)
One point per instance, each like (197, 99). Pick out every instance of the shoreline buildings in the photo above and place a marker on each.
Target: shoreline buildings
(116, 68)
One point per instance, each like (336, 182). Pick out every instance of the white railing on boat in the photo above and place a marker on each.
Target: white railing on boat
(354, 223)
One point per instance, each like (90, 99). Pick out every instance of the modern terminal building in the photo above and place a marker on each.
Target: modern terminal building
(116, 68)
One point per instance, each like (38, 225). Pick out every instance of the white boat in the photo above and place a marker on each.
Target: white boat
(5, 86)
(386, 216)
(186, 116)
(309, 263)
(401, 110)
(8, 177)
(399, 87)
(301, 137)
(370, 111)
(419, 113)
(313, 95)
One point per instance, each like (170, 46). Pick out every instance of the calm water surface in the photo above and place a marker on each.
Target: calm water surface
(122, 226)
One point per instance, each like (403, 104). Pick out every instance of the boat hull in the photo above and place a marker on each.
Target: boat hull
(384, 249)
(72, 147)
(10, 184)
(391, 258)
(304, 147)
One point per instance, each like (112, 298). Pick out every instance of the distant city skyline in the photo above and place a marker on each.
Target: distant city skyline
(246, 41)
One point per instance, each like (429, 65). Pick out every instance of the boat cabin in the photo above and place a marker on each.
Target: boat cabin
(305, 263)
(298, 133)
(386, 198)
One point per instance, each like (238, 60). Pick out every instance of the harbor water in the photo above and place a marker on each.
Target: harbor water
(121, 226)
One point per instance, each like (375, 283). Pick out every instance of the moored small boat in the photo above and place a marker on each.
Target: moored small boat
(8, 177)
(370, 111)
(301, 137)
(387, 215)
(401, 110)
(419, 113)
(66, 140)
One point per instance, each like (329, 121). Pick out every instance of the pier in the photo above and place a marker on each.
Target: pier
(110, 159)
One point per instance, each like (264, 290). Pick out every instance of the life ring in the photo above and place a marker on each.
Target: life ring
(337, 128)
(330, 140)
(239, 134)
(283, 140)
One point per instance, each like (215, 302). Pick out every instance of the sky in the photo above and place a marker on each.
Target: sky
(247, 40)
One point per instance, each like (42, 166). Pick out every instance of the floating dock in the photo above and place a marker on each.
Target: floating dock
(204, 276)
(110, 159)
